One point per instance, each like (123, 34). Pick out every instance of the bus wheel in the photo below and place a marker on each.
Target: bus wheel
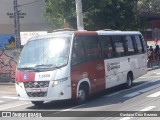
(82, 95)
(129, 82)
(37, 102)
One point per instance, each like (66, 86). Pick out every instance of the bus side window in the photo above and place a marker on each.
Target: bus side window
(138, 44)
(144, 43)
(106, 45)
(119, 45)
(92, 47)
(129, 45)
(78, 54)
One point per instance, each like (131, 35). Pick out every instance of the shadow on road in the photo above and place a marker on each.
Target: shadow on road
(97, 100)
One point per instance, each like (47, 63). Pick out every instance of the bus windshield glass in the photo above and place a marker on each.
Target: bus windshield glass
(46, 53)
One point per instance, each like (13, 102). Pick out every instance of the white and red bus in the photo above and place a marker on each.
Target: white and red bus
(74, 64)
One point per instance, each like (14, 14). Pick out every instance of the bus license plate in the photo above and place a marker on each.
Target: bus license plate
(36, 90)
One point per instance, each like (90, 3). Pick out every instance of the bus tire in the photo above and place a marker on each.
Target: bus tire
(82, 94)
(129, 82)
(37, 103)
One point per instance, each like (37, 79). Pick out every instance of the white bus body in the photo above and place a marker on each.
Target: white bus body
(74, 64)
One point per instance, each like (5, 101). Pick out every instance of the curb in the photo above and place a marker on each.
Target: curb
(149, 69)
(7, 83)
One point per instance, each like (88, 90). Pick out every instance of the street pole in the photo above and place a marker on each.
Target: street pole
(16, 24)
(80, 25)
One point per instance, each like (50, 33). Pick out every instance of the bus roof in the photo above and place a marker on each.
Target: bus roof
(54, 34)
(83, 32)
(101, 32)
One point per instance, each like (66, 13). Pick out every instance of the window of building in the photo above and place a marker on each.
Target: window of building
(106, 45)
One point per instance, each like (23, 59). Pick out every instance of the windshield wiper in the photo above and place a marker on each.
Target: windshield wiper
(26, 68)
(44, 65)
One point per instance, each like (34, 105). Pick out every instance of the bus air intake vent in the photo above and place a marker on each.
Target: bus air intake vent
(36, 84)
(37, 94)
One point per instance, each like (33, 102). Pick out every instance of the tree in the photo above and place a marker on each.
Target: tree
(114, 14)
(149, 6)
(58, 11)
(98, 14)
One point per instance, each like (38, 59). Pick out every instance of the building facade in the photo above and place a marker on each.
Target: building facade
(31, 16)
(31, 19)
(153, 28)
(32, 22)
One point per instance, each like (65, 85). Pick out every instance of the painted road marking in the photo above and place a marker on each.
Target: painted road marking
(148, 108)
(9, 97)
(126, 118)
(158, 73)
(145, 109)
(1, 101)
(149, 77)
(134, 87)
(21, 103)
(154, 94)
(13, 105)
(142, 91)
(69, 109)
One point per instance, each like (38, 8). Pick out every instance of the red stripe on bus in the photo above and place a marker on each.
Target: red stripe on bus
(25, 76)
(77, 33)
(89, 71)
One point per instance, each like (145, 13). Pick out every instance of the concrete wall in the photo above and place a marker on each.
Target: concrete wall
(8, 62)
(31, 16)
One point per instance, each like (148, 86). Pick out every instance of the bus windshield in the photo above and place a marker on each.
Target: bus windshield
(45, 54)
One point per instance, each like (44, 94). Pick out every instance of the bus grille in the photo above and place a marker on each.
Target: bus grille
(36, 84)
(37, 94)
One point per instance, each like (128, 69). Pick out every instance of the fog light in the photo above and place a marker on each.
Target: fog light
(61, 93)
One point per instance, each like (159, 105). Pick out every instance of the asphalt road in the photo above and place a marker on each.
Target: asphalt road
(113, 104)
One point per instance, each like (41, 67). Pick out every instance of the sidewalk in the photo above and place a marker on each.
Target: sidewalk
(7, 89)
(153, 68)
(7, 83)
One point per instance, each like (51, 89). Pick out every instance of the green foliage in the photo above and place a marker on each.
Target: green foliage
(111, 14)
(57, 11)
(98, 14)
(149, 6)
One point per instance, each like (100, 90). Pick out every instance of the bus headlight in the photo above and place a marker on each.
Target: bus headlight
(56, 82)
